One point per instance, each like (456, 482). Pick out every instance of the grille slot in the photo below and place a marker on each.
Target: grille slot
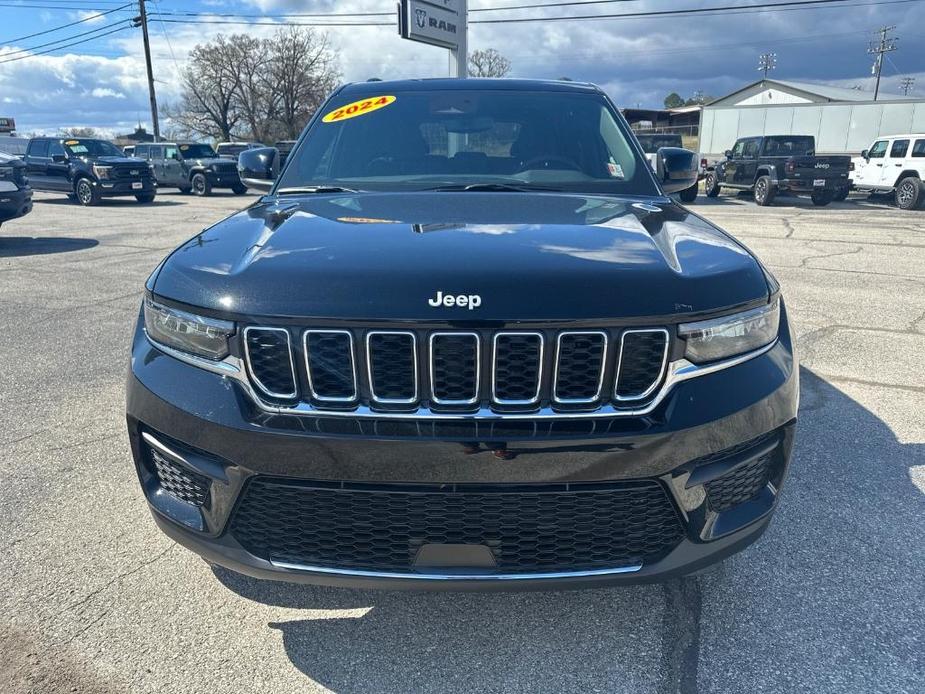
(330, 364)
(179, 481)
(740, 485)
(455, 362)
(269, 360)
(579, 367)
(517, 368)
(641, 364)
(391, 359)
(527, 529)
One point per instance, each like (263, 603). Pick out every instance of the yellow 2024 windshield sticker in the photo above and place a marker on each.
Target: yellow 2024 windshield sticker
(358, 108)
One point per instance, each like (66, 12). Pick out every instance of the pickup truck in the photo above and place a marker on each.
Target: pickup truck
(651, 143)
(893, 164)
(772, 164)
(15, 193)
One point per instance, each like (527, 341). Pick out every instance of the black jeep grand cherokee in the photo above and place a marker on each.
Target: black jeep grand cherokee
(466, 340)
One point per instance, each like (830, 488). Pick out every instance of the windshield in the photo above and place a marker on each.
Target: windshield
(789, 146)
(197, 152)
(652, 143)
(92, 148)
(436, 139)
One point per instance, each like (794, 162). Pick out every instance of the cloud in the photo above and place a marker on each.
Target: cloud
(635, 61)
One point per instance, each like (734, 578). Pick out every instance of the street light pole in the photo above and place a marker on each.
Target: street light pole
(459, 58)
(142, 19)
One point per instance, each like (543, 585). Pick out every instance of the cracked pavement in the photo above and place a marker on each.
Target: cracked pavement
(96, 600)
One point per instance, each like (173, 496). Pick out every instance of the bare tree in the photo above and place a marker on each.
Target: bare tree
(89, 133)
(210, 84)
(303, 71)
(488, 63)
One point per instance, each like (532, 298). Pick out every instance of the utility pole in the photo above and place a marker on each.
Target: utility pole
(142, 21)
(766, 63)
(459, 58)
(906, 85)
(886, 44)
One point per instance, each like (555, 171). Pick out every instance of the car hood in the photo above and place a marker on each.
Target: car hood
(115, 161)
(528, 256)
(209, 161)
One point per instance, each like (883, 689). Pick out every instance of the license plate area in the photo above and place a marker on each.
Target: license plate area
(818, 182)
(137, 185)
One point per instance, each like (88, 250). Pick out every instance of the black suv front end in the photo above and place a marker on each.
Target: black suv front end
(478, 386)
(15, 193)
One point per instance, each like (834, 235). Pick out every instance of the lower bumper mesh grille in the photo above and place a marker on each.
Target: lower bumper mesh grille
(527, 529)
(741, 484)
(179, 481)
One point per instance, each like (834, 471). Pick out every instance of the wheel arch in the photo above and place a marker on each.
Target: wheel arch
(907, 173)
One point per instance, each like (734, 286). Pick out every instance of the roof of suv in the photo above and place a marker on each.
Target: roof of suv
(475, 84)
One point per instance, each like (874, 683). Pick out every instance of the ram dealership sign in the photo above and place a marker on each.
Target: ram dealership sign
(437, 22)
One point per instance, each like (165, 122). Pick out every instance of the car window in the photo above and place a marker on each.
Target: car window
(738, 149)
(899, 149)
(55, 149)
(170, 152)
(193, 151)
(751, 149)
(38, 148)
(788, 145)
(918, 149)
(142, 151)
(878, 151)
(157, 152)
(419, 140)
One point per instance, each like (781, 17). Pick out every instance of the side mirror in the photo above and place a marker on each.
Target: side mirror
(258, 168)
(59, 158)
(728, 154)
(866, 154)
(676, 168)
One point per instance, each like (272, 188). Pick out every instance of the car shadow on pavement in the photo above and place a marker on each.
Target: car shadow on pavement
(829, 600)
(17, 246)
(110, 202)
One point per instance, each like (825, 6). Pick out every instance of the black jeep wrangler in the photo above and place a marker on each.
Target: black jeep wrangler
(87, 170)
(772, 164)
(191, 166)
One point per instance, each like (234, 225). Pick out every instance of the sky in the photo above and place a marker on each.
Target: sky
(102, 83)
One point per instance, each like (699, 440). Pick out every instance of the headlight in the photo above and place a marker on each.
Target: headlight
(720, 338)
(101, 171)
(205, 337)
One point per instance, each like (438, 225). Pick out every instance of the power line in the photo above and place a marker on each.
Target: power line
(67, 45)
(65, 26)
(30, 49)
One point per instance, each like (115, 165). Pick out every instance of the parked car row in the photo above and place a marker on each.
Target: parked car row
(772, 164)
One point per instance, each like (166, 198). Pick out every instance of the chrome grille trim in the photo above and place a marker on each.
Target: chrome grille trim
(603, 368)
(478, 367)
(661, 372)
(414, 360)
(250, 370)
(539, 373)
(353, 366)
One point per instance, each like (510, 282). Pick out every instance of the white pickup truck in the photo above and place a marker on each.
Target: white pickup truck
(893, 164)
(652, 142)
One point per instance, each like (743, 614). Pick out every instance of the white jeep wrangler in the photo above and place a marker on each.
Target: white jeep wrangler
(893, 164)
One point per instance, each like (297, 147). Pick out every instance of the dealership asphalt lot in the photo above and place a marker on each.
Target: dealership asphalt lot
(96, 599)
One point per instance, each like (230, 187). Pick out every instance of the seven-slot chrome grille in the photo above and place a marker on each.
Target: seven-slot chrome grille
(456, 370)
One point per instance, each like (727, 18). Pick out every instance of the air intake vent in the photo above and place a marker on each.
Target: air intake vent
(518, 368)
(269, 360)
(641, 364)
(331, 365)
(454, 368)
(392, 364)
(580, 367)
(179, 481)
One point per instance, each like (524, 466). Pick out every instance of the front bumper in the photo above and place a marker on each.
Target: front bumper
(119, 188)
(223, 179)
(695, 435)
(15, 203)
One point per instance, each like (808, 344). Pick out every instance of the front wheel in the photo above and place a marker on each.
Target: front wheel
(711, 185)
(201, 185)
(764, 191)
(689, 194)
(145, 198)
(822, 198)
(87, 194)
(239, 189)
(910, 193)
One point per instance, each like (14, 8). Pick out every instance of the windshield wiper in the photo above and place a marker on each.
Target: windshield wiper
(315, 189)
(489, 187)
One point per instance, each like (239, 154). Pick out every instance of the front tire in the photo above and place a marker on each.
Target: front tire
(910, 193)
(822, 198)
(239, 189)
(689, 194)
(201, 185)
(764, 191)
(185, 190)
(145, 198)
(87, 194)
(711, 185)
